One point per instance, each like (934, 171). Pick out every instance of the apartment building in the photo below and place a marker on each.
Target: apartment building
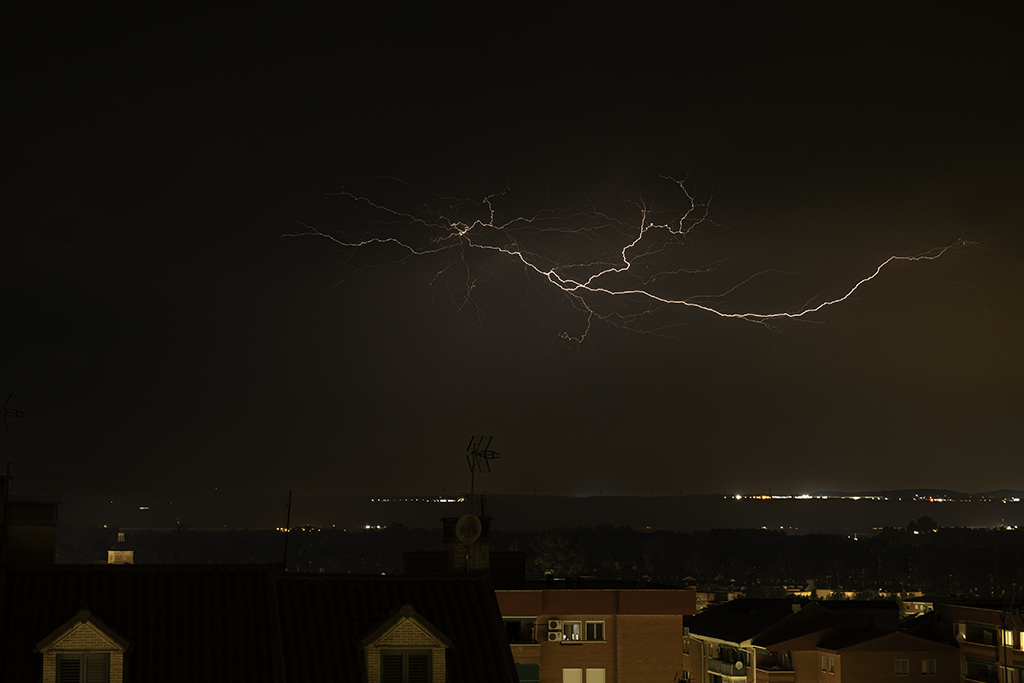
(989, 635)
(800, 641)
(571, 630)
(583, 631)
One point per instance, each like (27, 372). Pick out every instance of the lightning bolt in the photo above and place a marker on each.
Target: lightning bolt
(589, 255)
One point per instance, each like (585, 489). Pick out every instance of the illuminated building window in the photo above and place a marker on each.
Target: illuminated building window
(901, 667)
(572, 630)
(595, 630)
(928, 667)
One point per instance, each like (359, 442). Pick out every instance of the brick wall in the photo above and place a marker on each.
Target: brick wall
(83, 638)
(407, 635)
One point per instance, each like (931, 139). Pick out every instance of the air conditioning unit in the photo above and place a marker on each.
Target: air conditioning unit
(554, 624)
(554, 636)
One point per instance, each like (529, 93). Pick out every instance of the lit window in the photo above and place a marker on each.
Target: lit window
(572, 630)
(90, 667)
(595, 630)
(595, 676)
(831, 665)
(1008, 639)
(824, 663)
(928, 667)
(405, 666)
(901, 667)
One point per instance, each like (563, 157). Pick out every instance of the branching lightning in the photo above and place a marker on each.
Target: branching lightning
(589, 255)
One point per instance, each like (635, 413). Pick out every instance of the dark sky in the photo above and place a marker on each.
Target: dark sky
(160, 329)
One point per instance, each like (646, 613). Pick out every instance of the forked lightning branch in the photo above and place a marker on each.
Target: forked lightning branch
(625, 265)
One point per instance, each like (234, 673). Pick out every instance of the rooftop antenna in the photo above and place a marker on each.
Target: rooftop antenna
(8, 412)
(479, 457)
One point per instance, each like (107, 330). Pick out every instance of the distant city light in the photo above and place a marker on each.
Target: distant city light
(433, 499)
(916, 498)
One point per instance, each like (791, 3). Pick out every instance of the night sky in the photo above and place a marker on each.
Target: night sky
(162, 328)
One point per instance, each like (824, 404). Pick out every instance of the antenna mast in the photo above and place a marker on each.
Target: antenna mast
(478, 457)
(8, 412)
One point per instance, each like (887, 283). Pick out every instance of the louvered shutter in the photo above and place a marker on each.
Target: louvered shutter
(419, 667)
(391, 667)
(69, 669)
(97, 668)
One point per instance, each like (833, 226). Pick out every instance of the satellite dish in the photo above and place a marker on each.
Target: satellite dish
(960, 637)
(739, 665)
(468, 529)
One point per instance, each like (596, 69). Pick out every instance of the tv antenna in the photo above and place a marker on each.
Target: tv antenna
(479, 457)
(8, 412)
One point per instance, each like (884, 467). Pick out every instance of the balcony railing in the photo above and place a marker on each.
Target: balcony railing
(725, 668)
(775, 675)
(981, 675)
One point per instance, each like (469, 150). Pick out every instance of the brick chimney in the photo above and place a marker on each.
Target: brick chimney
(474, 558)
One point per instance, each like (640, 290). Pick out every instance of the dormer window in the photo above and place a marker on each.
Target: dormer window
(83, 650)
(405, 666)
(405, 648)
(85, 667)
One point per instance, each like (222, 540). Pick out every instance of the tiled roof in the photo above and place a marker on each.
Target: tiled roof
(186, 622)
(742, 619)
(883, 641)
(323, 617)
(246, 623)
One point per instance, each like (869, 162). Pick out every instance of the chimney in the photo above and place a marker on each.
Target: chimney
(474, 558)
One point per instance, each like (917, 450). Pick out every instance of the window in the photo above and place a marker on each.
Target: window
(92, 667)
(595, 676)
(528, 673)
(928, 667)
(901, 667)
(572, 630)
(595, 630)
(1008, 639)
(831, 665)
(405, 666)
(1007, 674)
(824, 663)
(520, 630)
(572, 675)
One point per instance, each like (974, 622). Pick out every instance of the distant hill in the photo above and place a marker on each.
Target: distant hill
(905, 494)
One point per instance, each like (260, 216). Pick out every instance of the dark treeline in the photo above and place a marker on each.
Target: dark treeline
(944, 561)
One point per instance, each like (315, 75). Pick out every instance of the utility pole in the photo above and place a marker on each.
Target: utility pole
(287, 530)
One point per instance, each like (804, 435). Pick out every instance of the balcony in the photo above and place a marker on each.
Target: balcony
(775, 675)
(981, 677)
(981, 673)
(720, 666)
